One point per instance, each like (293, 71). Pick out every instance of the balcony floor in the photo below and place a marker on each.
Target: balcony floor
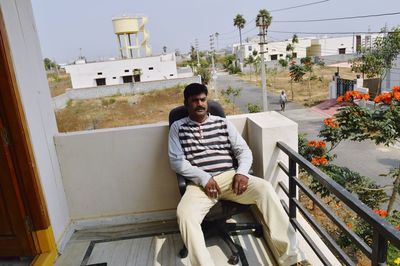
(154, 243)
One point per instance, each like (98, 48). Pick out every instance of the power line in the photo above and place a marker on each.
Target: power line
(293, 7)
(280, 9)
(339, 18)
(337, 33)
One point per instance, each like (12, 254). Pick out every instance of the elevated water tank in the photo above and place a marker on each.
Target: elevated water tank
(131, 35)
(314, 49)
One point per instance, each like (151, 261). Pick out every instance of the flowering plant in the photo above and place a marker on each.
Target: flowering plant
(349, 96)
(364, 230)
(389, 97)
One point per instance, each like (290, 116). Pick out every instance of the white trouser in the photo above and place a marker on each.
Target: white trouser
(195, 204)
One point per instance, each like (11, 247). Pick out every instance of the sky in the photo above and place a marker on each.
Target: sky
(68, 28)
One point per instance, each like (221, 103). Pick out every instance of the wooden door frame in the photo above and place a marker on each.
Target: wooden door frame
(21, 148)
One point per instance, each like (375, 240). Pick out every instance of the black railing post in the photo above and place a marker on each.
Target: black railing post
(379, 249)
(292, 188)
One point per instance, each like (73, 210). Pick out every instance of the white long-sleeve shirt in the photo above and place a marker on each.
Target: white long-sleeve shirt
(199, 151)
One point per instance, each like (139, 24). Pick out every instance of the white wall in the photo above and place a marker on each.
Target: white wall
(393, 76)
(119, 171)
(84, 75)
(35, 95)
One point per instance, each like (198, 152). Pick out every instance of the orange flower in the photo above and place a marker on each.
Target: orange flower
(398, 227)
(381, 213)
(340, 99)
(350, 225)
(312, 143)
(396, 89)
(366, 96)
(330, 123)
(386, 97)
(396, 95)
(319, 160)
(378, 99)
(321, 144)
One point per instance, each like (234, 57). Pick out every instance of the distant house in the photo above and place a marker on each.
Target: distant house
(312, 46)
(114, 72)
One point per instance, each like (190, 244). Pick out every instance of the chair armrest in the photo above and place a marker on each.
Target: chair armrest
(181, 184)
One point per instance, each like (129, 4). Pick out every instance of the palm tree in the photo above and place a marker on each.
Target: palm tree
(239, 22)
(263, 18)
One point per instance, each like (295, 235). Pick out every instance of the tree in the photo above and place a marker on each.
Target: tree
(49, 64)
(378, 60)
(290, 56)
(249, 61)
(233, 92)
(230, 64)
(308, 68)
(296, 72)
(381, 125)
(239, 21)
(205, 74)
(263, 18)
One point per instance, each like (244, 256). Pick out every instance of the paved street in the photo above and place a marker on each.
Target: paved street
(366, 158)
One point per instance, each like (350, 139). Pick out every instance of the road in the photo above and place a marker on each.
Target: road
(364, 157)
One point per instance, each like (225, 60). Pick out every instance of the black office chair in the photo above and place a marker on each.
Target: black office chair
(215, 221)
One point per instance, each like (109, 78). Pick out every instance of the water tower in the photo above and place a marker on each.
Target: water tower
(131, 36)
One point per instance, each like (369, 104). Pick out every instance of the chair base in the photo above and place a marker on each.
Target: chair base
(222, 228)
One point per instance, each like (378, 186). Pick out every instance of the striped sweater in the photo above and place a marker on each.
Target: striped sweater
(199, 151)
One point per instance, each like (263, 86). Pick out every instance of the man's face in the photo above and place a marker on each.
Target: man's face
(197, 107)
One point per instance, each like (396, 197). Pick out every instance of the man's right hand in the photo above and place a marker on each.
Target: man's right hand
(212, 189)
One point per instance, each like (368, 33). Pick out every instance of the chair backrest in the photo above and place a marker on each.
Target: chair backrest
(180, 112)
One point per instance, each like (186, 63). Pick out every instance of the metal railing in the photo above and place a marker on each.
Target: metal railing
(383, 232)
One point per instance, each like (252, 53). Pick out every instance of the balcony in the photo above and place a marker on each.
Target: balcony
(120, 188)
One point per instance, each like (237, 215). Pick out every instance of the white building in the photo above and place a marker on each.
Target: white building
(312, 46)
(116, 72)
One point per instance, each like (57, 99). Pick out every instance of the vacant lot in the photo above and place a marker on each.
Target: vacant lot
(58, 83)
(280, 80)
(122, 110)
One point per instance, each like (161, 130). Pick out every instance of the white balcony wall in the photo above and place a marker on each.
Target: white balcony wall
(112, 176)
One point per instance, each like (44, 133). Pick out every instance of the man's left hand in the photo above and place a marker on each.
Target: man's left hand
(239, 184)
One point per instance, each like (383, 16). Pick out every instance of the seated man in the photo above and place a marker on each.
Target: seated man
(202, 148)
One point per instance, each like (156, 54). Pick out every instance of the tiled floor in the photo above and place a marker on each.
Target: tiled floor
(156, 243)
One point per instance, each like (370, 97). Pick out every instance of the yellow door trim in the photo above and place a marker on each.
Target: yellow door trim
(44, 239)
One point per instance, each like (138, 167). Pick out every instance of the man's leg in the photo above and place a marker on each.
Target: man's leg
(283, 235)
(191, 211)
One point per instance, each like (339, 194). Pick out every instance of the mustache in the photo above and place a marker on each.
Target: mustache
(199, 108)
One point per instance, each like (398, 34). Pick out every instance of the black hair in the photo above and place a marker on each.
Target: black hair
(194, 89)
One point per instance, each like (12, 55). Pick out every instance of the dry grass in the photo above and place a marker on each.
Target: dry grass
(122, 110)
(278, 81)
(58, 83)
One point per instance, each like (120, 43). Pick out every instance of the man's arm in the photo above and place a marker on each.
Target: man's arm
(240, 150)
(179, 163)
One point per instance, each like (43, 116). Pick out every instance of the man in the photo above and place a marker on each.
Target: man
(283, 100)
(202, 148)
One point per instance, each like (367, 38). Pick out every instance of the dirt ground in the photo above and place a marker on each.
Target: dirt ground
(127, 110)
(123, 110)
(278, 81)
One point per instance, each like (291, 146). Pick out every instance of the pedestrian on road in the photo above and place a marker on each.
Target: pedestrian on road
(283, 100)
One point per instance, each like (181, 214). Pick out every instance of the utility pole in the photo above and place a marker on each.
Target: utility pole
(213, 71)
(262, 34)
(196, 43)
